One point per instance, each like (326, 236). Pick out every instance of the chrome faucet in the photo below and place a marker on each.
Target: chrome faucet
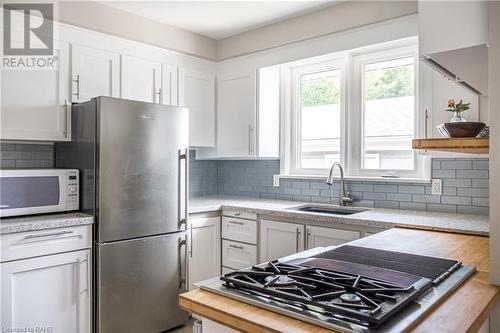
(344, 197)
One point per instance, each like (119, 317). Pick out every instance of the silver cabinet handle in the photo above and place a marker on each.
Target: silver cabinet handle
(160, 97)
(236, 222)
(191, 241)
(308, 235)
(67, 110)
(50, 234)
(239, 247)
(297, 240)
(426, 123)
(251, 140)
(77, 81)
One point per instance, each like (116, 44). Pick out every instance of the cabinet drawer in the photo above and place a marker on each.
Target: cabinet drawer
(239, 214)
(238, 255)
(239, 230)
(42, 242)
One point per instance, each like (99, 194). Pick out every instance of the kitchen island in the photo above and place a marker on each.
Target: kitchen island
(465, 310)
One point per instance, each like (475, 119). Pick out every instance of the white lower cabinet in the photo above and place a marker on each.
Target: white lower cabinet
(205, 249)
(319, 236)
(238, 255)
(279, 239)
(46, 280)
(47, 294)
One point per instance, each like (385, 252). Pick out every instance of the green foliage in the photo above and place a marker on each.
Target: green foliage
(457, 107)
(320, 92)
(380, 84)
(389, 83)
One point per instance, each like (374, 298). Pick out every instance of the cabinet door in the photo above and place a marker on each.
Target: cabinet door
(236, 115)
(35, 104)
(279, 239)
(140, 79)
(51, 292)
(197, 92)
(205, 250)
(169, 85)
(322, 237)
(94, 73)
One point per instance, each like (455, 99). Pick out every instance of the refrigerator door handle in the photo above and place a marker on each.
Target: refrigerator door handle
(184, 156)
(183, 280)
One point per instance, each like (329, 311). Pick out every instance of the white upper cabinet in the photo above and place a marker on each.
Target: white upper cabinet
(169, 94)
(140, 79)
(453, 38)
(450, 25)
(197, 92)
(94, 73)
(236, 99)
(35, 104)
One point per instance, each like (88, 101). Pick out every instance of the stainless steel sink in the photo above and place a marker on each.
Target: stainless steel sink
(328, 209)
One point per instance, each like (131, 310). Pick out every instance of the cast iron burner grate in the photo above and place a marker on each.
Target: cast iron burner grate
(356, 298)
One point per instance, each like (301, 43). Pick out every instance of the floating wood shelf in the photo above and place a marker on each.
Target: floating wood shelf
(458, 145)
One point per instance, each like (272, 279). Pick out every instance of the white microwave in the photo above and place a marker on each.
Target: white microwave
(38, 191)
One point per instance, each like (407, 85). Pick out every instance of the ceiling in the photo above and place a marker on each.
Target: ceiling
(219, 19)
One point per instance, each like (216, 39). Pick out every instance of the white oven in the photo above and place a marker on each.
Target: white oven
(38, 191)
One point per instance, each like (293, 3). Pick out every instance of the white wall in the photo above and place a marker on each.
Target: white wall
(346, 15)
(102, 18)
(494, 99)
(494, 74)
(376, 33)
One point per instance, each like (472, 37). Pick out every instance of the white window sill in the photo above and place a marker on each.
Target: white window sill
(360, 178)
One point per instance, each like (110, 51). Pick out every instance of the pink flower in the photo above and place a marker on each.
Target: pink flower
(451, 102)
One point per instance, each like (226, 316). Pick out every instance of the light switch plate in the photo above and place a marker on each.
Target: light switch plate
(437, 187)
(276, 180)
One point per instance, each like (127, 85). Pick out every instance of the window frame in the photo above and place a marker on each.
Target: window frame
(337, 63)
(356, 107)
(350, 127)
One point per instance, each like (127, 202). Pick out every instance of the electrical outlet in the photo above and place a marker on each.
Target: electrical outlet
(276, 180)
(437, 187)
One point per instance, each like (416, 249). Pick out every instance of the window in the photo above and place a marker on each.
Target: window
(317, 120)
(357, 108)
(388, 114)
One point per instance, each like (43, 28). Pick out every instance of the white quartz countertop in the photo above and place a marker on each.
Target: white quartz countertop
(10, 225)
(372, 217)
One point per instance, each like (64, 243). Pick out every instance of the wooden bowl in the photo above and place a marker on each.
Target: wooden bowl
(468, 129)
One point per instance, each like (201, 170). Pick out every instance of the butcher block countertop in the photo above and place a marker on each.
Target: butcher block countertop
(465, 310)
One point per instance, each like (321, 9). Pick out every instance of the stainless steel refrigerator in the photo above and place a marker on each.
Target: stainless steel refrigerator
(133, 160)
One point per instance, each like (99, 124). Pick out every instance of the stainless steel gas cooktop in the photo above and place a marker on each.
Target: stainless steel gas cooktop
(349, 289)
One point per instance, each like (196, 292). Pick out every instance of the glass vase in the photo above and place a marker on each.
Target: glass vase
(457, 118)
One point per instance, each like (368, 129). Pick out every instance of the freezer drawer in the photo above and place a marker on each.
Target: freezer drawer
(139, 282)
